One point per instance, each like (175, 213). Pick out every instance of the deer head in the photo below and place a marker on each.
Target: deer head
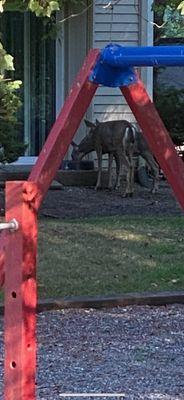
(87, 143)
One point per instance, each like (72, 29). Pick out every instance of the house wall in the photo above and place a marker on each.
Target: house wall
(74, 43)
(127, 24)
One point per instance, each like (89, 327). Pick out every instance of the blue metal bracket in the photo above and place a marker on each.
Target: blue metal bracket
(107, 75)
(115, 64)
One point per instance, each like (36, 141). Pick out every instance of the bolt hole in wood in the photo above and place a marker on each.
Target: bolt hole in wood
(13, 364)
(14, 295)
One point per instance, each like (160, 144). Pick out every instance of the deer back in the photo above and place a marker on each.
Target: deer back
(112, 135)
(105, 137)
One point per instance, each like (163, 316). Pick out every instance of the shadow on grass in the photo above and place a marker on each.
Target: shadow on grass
(108, 256)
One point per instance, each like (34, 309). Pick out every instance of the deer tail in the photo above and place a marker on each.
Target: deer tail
(133, 129)
(130, 134)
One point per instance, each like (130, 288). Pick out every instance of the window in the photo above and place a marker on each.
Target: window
(23, 36)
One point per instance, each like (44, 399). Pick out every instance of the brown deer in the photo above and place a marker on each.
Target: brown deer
(119, 139)
(116, 138)
(141, 148)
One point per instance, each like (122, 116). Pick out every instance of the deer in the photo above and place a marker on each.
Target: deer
(115, 138)
(119, 139)
(141, 148)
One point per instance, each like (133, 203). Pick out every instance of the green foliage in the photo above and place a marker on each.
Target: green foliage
(159, 5)
(6, 60)
(169, 14)
(15, 5)
(10, 146)
(181, 7)
(169, 100)
(170, 104)
(42, 8)
(174, 23)
(1, 5)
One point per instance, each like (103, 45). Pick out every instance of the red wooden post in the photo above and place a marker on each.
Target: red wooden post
(65, 127)
(20, 293)
(2, 255)
(157, 136)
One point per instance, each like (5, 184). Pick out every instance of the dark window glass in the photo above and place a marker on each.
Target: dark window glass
(23, 36)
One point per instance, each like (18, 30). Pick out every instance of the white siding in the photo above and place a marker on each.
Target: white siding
(76, 31)
(127, 26)
(120, 26)
(146, 39)
(123, 26)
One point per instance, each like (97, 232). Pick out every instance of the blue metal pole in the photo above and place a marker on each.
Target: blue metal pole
(115, 65)
(118, 56)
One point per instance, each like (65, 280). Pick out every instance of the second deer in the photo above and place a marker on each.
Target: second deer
(119, 139)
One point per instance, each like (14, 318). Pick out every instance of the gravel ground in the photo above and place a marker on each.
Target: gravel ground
(136, 351)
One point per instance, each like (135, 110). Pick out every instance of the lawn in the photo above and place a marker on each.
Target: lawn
(111, 255)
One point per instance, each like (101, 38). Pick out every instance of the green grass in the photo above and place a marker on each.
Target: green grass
(111, 255)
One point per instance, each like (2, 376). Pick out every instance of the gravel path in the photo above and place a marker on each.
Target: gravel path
(136, 351)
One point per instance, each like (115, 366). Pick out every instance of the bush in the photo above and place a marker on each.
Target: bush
(170, 105)
(10, 145)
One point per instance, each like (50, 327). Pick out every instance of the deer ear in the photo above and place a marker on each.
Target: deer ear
(89, 124)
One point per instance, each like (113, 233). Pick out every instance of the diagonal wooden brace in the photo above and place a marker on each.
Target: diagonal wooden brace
(157, 136)
(64, 128)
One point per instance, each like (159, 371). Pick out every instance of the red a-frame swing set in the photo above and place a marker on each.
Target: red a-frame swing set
(113, 66)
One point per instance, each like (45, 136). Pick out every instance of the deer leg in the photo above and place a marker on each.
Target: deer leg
(131, 169)
(127, 151)
(117, 160)
(99, 156)
(123, 161)
(129, 179)
(119, 170)
(130, 182)
(155, 169)
(110, 161)
(128, 161)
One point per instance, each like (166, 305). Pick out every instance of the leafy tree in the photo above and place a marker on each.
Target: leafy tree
(42, 8)
(169, 18)
(10, 145)
(169, 100)
(170, 103)
(6, 60)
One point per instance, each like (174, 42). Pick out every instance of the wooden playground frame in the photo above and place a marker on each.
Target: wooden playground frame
(18, 248)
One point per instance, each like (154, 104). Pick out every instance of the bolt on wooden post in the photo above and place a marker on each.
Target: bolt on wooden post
(20, 292)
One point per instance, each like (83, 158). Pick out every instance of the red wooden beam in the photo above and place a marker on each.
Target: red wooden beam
(157, 136)
(64, 128)
(2, 256)
(20, 293)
